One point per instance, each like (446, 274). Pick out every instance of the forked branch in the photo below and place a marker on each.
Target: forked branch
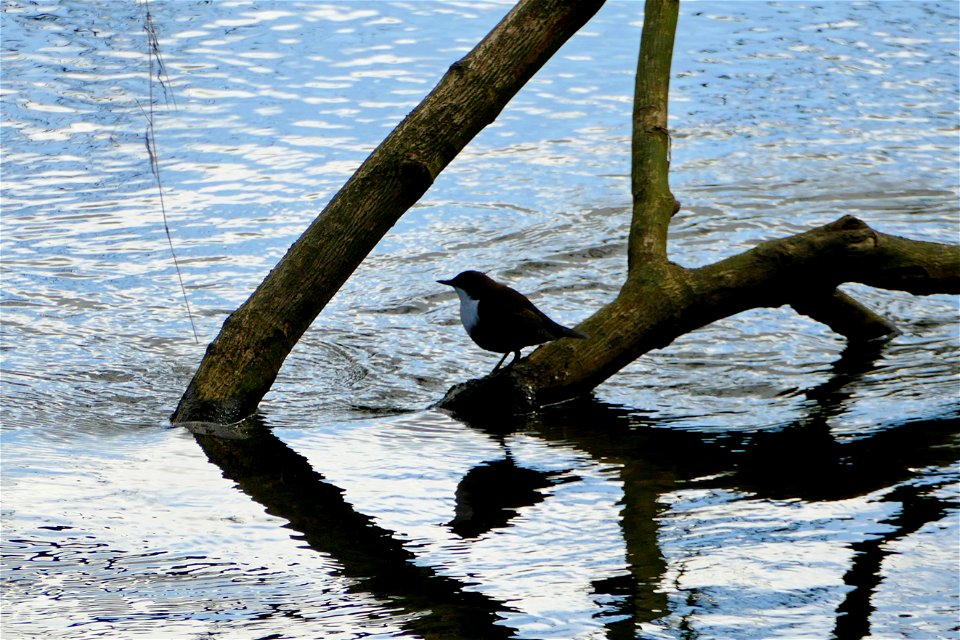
(661, 301)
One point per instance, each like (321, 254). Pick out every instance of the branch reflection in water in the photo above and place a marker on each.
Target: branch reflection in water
(283, 481)
(799, 461)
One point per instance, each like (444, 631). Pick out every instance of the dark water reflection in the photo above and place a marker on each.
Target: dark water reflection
(737, 483)
(756, 479)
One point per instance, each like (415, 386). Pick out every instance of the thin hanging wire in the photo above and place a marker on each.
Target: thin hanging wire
(150, 139)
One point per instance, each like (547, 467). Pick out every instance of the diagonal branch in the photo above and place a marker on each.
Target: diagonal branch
(242, 362)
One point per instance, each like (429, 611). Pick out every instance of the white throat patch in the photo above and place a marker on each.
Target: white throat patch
(468, 310)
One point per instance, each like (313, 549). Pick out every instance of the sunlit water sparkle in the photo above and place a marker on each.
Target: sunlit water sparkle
(660, 520)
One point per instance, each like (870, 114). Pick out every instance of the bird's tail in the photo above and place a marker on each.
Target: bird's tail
(567, 332)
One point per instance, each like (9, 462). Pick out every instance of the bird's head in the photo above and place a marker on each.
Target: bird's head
(472, 283)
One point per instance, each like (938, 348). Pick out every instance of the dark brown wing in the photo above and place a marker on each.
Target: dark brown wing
(509, 321)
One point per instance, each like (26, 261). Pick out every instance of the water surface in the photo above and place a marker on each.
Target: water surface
(752, 479)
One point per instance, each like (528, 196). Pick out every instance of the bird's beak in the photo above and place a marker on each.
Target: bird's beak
(446, 282)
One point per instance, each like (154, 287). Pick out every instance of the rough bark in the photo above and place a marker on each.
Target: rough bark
(845, 316)
(661, 301)
(241, 364)
(653, 203)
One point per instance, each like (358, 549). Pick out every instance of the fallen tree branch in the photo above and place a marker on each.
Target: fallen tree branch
(661, 302)
(844, 315)
(241, 364)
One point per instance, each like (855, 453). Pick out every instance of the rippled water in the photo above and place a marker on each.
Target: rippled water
(753, 480)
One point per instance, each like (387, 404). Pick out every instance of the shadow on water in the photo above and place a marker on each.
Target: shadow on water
(283, 481)
(801, 460)
(490, 494)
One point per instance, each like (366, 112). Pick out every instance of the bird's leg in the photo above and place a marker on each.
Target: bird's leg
(516, 356)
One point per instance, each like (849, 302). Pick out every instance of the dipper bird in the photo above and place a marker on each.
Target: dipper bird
(501, 319)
